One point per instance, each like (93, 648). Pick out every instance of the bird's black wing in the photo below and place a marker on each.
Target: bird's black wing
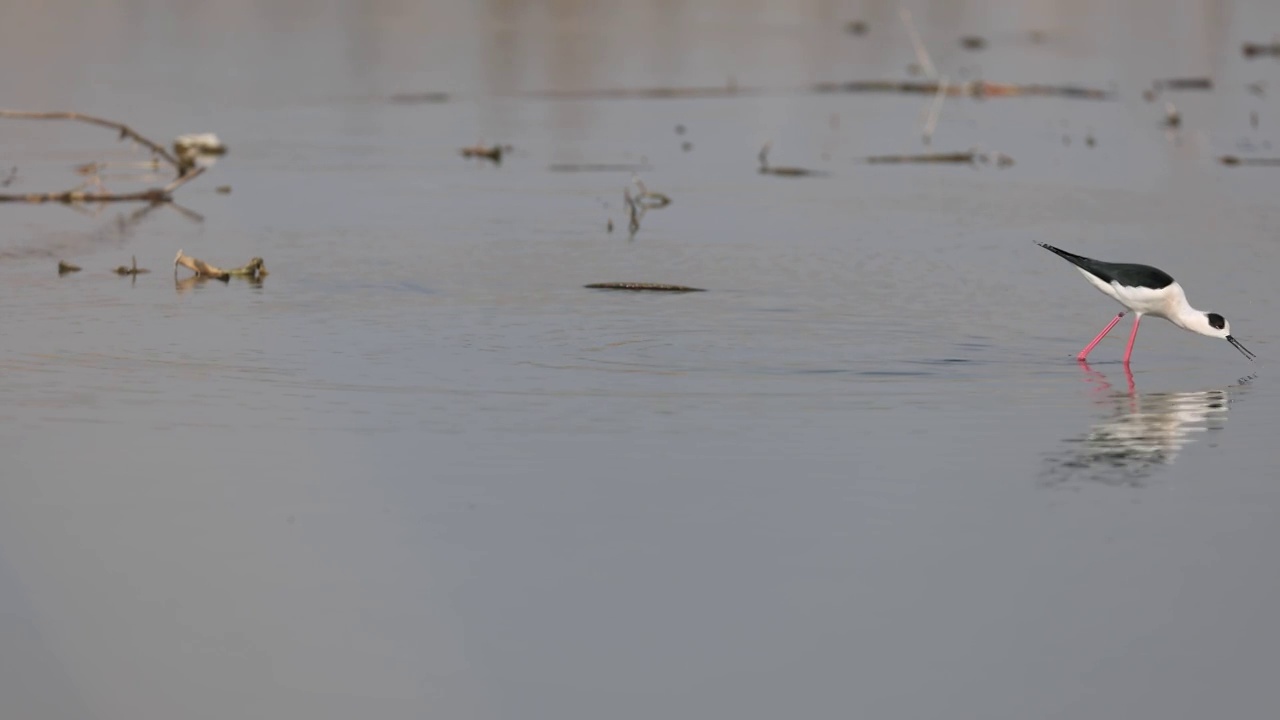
(1125, 274)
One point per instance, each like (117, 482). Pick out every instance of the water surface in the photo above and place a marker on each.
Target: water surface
(421, 472)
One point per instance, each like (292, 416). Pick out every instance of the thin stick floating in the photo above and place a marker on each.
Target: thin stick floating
(976, 89)
(640, 287)
(1201, 83)
(1236, 160)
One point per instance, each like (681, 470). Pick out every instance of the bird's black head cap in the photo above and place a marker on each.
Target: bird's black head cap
(1216, 321)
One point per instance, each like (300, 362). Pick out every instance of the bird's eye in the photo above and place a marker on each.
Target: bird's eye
(1216, 321)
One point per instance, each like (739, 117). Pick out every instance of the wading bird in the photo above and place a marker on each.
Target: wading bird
(1145, 290)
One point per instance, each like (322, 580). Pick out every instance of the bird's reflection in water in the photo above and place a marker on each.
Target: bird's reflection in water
(1141, 433)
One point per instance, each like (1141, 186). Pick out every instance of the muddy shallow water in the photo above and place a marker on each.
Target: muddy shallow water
(420, 471)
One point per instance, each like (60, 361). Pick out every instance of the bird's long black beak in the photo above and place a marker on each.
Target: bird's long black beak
(1241, 348)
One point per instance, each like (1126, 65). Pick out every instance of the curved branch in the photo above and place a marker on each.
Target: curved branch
(125, 131)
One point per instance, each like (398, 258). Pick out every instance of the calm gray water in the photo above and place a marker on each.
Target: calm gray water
(421, 472)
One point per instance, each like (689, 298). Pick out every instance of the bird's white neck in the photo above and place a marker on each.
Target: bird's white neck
(1189, 318)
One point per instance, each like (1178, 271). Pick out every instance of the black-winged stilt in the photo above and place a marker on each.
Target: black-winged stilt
(1145, 291)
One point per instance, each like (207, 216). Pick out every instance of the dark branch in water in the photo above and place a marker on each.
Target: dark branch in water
(1235, 160)
(1253, 50)
(976, 89)
(637, 286)
(959, 158)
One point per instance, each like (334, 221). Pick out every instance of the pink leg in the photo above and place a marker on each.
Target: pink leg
(1089, 348)
(1128, 352)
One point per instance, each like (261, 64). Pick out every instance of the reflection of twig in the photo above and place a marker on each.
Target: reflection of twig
(640, 203)
(134, 270)
(935, 109)
(118, 230)
(922, 55)
(647, 199)
(635, 214)
(187, 213)
(765, 168)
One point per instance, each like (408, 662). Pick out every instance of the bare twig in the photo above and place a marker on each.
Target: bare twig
(134, 270)
(125, 131)
(935, 110)
(185, 167)
(182, 180)
(922, 55)
(635, 212)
